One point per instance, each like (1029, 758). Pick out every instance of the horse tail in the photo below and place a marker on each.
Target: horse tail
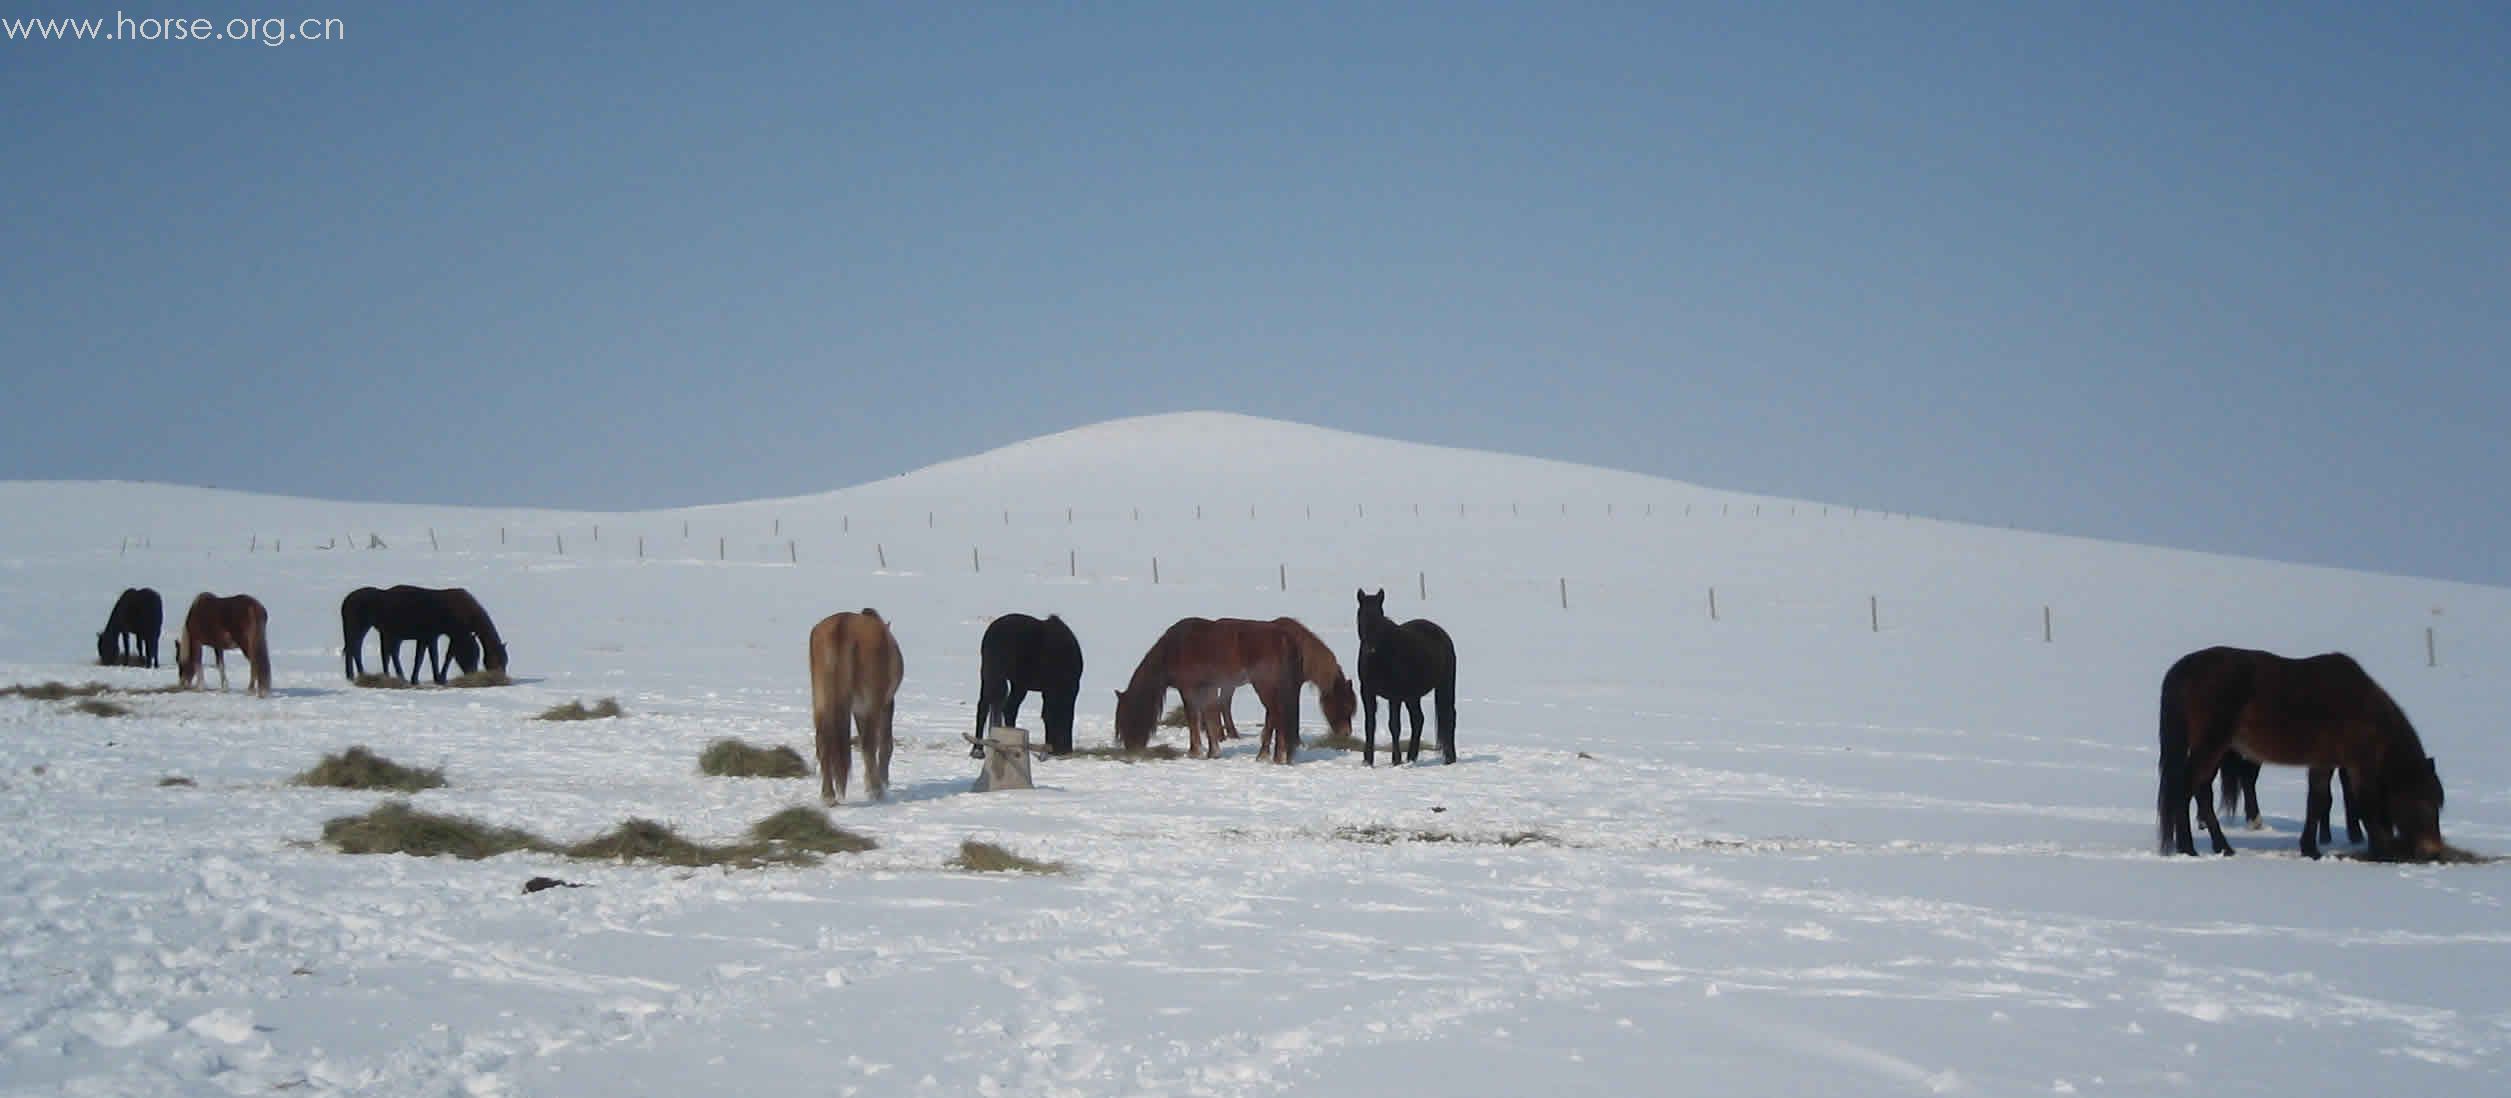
(258, 637)
(2171, 796)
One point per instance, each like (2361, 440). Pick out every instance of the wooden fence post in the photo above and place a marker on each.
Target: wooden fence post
(1281, 574)
(431, 539)
(597, 531)
(1713, 604)
(1072, 563)
(975, 565)
(1425, 586)
(1564, 592)
(640, 547)
(2432, 655)
(2048, 633)
(719, 548)
(562, 545)
(793, 553)
(1155, 571)
(881, 553)
(1874, 616)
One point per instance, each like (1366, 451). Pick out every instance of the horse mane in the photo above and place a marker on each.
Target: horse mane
(875, 615)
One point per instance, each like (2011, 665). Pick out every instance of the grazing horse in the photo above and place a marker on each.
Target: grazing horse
(1400, 663)
(855, 671)
(236, 621)
(2240, 783)
(425, 615)
(1198, 658)
(2322, 712)
(1020, 654)
(129, 638)
(1323, 671)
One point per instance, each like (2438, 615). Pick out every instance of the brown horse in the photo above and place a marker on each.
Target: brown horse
(855, 672)
(1199, 658)
(2324, 713)
(1323, 671)
(236, 621)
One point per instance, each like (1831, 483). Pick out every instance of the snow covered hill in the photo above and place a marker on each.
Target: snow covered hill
(1883, 825)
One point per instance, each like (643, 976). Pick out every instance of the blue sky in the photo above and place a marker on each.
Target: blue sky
(2230, 277)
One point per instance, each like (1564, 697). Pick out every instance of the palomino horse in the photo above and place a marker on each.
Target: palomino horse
(1198, 658)
(422, 615)
(855, 672)
(129, 638)
(2324, 713)
(1020, 654)
(1323, 671)
(236, 621)
(1401, 663)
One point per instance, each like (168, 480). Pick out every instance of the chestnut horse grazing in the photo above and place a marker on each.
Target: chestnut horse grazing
(1019, 654)
(1401, 663)
(236, 621)
(855, 671)
(1322, 670)
(129, 638)
(1199, 658)
(2324, 713)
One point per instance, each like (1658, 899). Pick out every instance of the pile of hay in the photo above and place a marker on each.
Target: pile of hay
(98, 707)
(578, 711)
(472, 680)
(377, 681)
(796, 836)
(359, 768)
(977, 857)
(809, 829)
(396, 828)
(1335, 741)
(730, 758)
(54, 691)
(1385, 835)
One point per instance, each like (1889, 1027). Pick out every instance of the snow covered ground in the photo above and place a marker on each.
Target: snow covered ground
(1819, 845)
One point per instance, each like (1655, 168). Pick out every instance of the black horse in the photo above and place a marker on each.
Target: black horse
(1401, 663)
(1020, 654)
(129, 638)
(424, 615)
(2323, 713)
(2240, 790)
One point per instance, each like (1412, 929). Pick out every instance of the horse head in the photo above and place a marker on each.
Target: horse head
(495, 652)
(1137, 709)
(2411, 790)
(1340, 702)
(1372, 612)
(107, 652)
(187, 658)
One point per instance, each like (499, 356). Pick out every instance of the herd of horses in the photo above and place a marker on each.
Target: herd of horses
(856, 670)
(2224, 711)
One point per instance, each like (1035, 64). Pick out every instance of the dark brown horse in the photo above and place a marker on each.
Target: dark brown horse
(129, 638)
(236, 621)
(424, 616)
(1199, 658)
(855, 672)
(1019, 654)
(2324, 713)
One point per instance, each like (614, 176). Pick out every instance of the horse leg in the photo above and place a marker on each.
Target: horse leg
(1369, 738)
(1394, 732)
(222, 668)
(2249, 794)
(2201, 777)
(1012, 704)
(1445, 701)
(868, 726)
(2315, 816)
(1414, 707)
(989, 703)
(830, 730)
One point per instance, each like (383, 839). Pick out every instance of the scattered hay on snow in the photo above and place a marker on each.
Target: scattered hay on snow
(578, 711)
(98, 707)
(981, 857)
(378, 681)
(808, 829)
(395, 828)
(54, 691)
(472, 680)
(730, 758)
(1158, 752)
(359, 768)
